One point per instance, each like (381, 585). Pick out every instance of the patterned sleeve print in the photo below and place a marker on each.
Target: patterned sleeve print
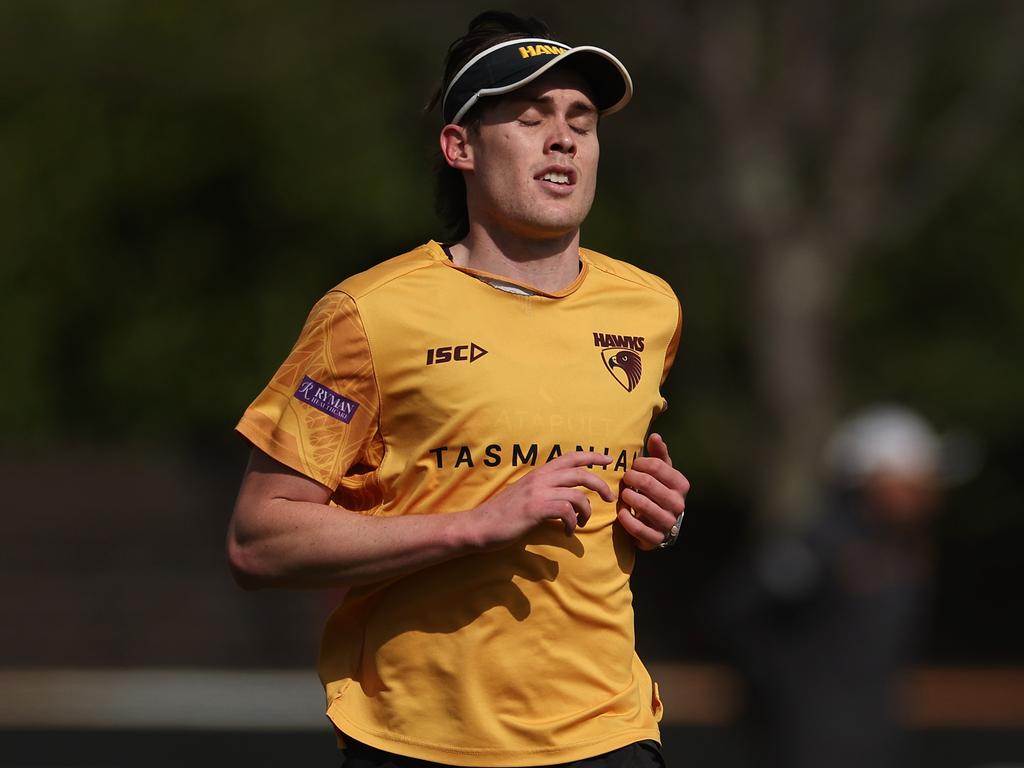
(318, 415)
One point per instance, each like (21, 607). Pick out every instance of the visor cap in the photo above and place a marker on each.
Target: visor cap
(511, 64)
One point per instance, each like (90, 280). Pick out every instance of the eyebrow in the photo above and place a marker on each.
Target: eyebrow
(577, 106)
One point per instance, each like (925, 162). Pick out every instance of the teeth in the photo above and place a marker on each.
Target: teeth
(558, 178)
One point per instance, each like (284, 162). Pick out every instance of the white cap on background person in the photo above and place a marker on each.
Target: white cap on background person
(894, 439)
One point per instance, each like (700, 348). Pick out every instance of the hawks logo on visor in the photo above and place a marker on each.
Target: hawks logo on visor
(527, 51)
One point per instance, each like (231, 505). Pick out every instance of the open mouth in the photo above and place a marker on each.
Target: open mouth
(562, 177)
(557, 178)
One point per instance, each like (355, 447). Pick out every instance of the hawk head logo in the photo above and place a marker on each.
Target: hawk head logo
(624, 365)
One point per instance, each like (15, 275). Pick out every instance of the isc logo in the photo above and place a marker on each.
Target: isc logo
(463, 352)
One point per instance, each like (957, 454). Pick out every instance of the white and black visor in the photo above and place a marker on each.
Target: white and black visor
(514, 63)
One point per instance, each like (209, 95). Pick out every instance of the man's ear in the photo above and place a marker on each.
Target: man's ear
(456, 148)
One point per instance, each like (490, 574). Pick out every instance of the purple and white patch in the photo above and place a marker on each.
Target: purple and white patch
(326, 400)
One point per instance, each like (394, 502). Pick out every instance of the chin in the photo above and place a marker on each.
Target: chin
(538, 222)
(556, 224)
(550, 230)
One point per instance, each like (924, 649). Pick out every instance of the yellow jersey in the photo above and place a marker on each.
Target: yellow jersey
(419, 388)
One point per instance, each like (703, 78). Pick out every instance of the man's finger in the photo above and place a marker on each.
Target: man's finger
(579, 459)
(654, 515)
(645, 536)
(573, 509)
(650, 486)
(571, 478)
(658, 448)
(580, 504)
(669, 477)
(566, 512)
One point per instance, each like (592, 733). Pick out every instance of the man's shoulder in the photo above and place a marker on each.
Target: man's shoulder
(387, 272)
(629, 273)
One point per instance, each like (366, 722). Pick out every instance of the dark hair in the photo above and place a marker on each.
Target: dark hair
(487, 29)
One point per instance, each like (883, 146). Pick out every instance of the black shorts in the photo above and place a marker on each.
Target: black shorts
(642, 754)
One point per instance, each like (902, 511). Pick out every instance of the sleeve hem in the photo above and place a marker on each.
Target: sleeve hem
(249, 428)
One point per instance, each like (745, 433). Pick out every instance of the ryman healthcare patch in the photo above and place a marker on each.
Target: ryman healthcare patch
(326, 400)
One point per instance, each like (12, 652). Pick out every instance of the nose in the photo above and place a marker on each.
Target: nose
(561, 140)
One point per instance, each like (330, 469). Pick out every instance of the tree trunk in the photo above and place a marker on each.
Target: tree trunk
(794, 297)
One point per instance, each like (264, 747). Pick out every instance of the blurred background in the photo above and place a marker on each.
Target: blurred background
(835, 190)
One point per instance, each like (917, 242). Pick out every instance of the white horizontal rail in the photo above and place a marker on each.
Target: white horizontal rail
(179, 699)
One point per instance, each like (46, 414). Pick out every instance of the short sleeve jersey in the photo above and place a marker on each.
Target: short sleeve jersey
(417, 388)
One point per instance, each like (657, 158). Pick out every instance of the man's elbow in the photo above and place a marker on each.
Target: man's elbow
(245, 565)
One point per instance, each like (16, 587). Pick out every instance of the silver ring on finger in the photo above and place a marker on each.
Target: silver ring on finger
(673, 534)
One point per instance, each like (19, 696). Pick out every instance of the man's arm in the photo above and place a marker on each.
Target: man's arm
(283, 533)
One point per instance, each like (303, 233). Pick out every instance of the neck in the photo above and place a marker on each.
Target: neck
(549, 265)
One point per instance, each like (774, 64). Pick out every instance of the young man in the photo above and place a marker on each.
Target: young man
(458, 435)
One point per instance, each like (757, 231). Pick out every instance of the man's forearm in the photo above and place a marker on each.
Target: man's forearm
(283, 532)
(303, 544)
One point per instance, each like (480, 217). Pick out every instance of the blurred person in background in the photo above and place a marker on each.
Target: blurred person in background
(822, 622)
(507, 379)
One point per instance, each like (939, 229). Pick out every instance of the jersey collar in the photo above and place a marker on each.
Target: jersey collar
(438, 252)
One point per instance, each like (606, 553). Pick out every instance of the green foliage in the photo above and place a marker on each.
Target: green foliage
(178, 186)
(938, 322)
